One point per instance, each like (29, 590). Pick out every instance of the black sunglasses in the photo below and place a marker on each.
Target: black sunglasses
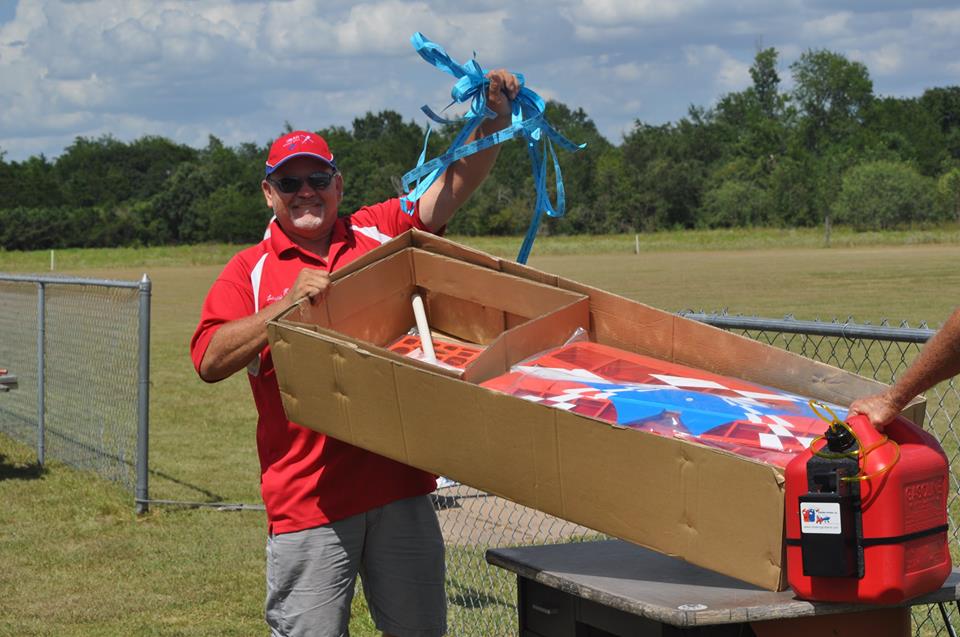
(289, 185)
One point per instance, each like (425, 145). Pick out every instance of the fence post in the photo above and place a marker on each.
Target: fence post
(41, 370)
(143, 398)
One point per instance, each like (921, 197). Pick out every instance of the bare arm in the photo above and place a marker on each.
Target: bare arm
(938, 361)
(463, 177)
(237, 342)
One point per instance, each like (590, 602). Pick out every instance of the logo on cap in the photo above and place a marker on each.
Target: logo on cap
(291, 144)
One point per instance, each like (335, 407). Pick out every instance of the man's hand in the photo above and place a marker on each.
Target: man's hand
(311, 284)
(455, 186)
(236, 343)
(502, 89)
(879, 408)
(938, 360)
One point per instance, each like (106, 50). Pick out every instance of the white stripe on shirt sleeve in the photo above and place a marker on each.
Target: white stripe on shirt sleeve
(255, 274)
(372, 232)
(253, 367)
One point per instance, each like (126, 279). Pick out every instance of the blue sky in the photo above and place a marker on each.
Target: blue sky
(240, 69)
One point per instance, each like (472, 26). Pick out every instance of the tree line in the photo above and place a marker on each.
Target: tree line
(826, 151)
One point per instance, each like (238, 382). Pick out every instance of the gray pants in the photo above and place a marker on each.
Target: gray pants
(396, 549)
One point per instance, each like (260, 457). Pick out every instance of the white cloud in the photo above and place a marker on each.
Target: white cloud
(594, 35)
(83, 94)
(631, 71)
(828, 26)
(733, 75)
(613, 13)
(727, 72)
(373, 29)
(946, 22)
(599, 21)
(884, 60)
(376, 27)
(239, 69)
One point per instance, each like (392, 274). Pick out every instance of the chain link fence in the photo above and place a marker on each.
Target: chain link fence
(483, 598)
(79, 349)
(80, 352)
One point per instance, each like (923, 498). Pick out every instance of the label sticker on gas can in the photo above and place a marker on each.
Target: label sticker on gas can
(820, 517)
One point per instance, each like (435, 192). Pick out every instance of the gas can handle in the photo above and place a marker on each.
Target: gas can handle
(859, 425)
(871, 439)
(865, 431)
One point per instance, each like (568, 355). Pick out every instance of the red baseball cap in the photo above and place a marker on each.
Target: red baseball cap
(298, 144)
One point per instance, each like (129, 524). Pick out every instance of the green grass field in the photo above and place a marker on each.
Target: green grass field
(77, 561)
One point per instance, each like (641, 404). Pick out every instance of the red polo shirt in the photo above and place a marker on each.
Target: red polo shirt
(306, 478)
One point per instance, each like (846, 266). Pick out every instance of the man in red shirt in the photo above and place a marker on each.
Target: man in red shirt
(334, 511)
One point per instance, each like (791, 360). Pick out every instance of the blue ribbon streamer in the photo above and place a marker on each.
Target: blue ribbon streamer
(527, 121)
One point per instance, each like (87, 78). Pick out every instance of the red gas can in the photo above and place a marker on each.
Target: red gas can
(868, 526)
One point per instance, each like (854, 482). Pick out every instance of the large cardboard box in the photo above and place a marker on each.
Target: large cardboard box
(704, 505)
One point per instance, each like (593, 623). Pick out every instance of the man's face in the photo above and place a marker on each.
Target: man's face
(309, 213)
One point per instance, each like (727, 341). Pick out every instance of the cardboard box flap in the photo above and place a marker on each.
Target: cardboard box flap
(713, 349)
(426, 241)
(399, 273)
(394, 245)
(505, 292)
(528, 339)
(467, 320)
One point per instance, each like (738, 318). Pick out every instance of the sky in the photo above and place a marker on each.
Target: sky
(242, 69)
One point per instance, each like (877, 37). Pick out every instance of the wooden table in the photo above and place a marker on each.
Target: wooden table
(614, 588)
